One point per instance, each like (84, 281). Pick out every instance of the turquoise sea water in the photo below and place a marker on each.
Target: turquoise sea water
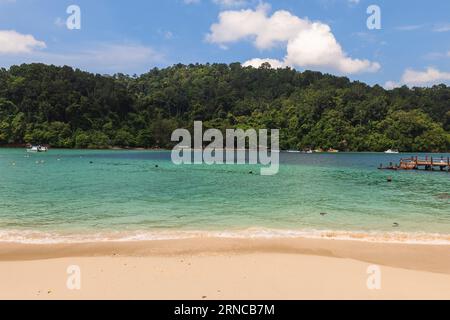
(75, 195)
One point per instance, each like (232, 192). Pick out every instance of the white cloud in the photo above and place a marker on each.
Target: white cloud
(166, 34)
(231, 3)
(317, 47)
(222, 3)
(442, 28)
(257, 62)
(12, 42)
(434, 55)
(414, 78)
(59, 22)
(101, 58)
(411, 27)
(389, 85)
(308, 44)
(428, 77)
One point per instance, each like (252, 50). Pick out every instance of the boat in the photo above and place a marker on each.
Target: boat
(331, 150)
(293, 151)
(37, 149)
(391, 151)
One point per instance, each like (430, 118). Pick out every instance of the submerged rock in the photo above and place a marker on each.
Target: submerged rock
(443, 196)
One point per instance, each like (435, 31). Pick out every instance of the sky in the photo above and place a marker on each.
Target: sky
(398, 42)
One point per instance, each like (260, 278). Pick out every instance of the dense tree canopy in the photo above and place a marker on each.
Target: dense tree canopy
(70, 108)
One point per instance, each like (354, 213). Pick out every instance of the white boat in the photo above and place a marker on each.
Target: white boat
(293, 151)
(391, 151)
(37, 149)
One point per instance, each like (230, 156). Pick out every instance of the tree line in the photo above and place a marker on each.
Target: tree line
(69, 108)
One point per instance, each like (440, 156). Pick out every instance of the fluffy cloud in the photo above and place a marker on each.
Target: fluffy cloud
(389, 85)
(427, 77)
(316, 47)
(414, 78)
(308, 44)
(12, 42)
(257, 62)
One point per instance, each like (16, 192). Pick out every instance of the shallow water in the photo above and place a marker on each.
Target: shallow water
(75, 195)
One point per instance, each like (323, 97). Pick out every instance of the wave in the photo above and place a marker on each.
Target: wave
(39, 237)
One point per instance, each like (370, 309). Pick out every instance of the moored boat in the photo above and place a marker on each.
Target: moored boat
(392, 151)
(37, 149)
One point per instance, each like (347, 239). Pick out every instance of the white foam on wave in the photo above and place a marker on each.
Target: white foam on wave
(37, 237)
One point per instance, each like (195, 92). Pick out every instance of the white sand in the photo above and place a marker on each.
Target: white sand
(224, 274)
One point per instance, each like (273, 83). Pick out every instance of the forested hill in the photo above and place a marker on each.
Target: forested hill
(70, 108)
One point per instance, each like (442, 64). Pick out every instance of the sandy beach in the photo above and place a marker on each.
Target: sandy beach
(213, 268)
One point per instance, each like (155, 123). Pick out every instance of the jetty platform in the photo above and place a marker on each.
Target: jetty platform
(440, 164)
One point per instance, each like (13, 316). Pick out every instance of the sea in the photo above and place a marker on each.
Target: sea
(76, 196)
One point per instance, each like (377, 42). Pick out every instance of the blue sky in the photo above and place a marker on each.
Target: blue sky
(412, 47)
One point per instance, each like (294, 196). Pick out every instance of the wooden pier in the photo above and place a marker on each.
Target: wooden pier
(415, 163)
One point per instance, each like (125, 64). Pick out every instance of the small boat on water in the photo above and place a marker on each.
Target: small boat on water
(37, 149)
(392, 151)
(293, 151)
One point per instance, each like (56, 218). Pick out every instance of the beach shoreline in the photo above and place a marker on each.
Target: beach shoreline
(421, 257)
(225, 269)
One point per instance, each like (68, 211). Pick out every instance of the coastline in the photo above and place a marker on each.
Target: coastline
(112, 148)
(428, 257)
(117, 148)
(35, 237)
(210, 268)
(136, 242)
